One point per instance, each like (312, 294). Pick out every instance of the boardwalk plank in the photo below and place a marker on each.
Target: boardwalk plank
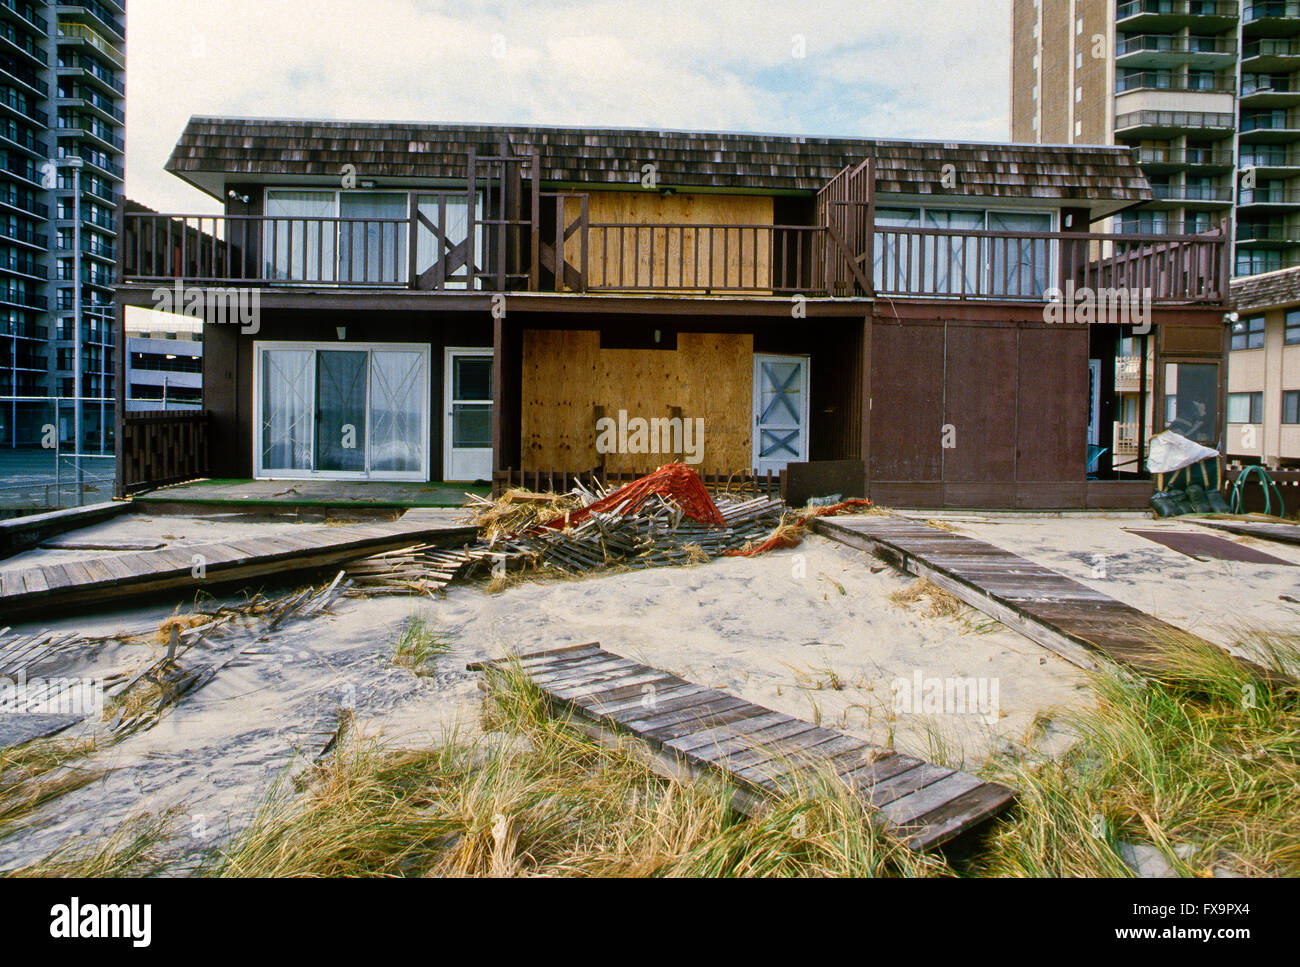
(759, 750)
(1065, 615)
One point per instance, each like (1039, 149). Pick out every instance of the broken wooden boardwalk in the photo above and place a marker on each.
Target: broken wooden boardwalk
(692, 729)
(1063, 615)
(1263, 529)
(112, 580)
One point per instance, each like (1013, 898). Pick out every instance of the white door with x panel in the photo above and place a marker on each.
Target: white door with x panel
(780, 411)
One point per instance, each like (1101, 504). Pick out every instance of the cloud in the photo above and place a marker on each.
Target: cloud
(885, 68)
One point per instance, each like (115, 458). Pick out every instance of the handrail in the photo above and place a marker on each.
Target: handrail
(848, 256)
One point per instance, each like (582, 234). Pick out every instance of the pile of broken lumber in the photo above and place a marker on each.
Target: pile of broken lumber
(425, 569)
(658, 534)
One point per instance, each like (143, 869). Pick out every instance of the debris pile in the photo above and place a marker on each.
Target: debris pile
(424, 569)
(657, 533)
(519, 510)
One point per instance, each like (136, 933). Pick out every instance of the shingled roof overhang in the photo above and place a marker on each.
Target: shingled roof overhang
(1265, 291)
(213, 152)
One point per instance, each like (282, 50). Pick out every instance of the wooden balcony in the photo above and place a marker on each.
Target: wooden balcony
(501, 236)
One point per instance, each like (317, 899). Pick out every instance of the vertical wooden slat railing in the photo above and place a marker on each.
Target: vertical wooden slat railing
(161, 447)
(747, 481)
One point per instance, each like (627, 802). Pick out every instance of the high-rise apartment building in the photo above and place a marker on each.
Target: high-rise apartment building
(1207, 92)
(62, 97)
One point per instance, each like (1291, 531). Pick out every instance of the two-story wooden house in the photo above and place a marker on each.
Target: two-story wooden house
(458, 302)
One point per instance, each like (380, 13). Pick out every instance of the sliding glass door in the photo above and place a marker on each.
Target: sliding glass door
(343, 237)
(352, 411)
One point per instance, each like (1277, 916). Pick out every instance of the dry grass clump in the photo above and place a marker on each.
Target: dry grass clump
(517, 510)
(136, 848)
(39, 772)
(536, 798)
(1203, 764)
(181, 622)
(941, 525)
(938, 602)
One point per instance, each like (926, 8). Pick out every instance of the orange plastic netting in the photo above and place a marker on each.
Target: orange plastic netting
(674, 480)
(792, 535)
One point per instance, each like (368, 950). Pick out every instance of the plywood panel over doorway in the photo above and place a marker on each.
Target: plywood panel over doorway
(567, 377)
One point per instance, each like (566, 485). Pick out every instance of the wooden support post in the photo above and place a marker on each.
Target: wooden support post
(498, 390)
(535, 228)
(471, 199)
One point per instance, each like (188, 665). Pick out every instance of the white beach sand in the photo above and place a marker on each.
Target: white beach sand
(811, 632)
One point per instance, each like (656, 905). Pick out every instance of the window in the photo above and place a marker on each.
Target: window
(333, 236)
(1291, 406)
(907, 260)
(1191, 400)
(1245, 407)
(1291, 334)
(1248, 333)
(1253, 261)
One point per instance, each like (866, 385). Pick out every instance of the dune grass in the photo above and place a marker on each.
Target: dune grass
(419, 643)
(534, 797)
(36, 773)
(1203, 765)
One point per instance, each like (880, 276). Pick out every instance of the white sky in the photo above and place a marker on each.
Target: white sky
(870, 68)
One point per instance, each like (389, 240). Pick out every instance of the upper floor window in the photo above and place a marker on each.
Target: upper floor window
(1291, 406)
(361, 237)
(1291, 334)
(1245, 407)
(947, 257)
(1248, 333)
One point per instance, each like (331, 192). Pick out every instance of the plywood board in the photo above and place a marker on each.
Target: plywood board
(722, 257)
(568, 380)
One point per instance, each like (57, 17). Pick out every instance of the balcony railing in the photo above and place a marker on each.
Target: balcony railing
(1207, 193)
(1173, 44)
(1177, 120)
(1270, 47)
(1163, 81)
(1226, 9)
(692, 258)
(1270, 10)
(1208, 157)
(1269, 196)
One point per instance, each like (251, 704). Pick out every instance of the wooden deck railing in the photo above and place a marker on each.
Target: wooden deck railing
(969, 264)
(452, 249)
(562, 481)
(161, 447)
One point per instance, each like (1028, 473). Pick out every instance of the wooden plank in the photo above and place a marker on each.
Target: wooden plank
(78, 583)
(1073, 620)
(763, 752)
(1266, 530)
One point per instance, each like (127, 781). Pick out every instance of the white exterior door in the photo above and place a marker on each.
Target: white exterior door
(467, 436)
(780, 411)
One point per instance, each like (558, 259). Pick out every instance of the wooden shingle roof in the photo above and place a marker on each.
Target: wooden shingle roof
(1265, 291)
(214, 151)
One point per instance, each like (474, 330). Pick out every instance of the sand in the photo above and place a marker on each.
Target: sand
(812, 632)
